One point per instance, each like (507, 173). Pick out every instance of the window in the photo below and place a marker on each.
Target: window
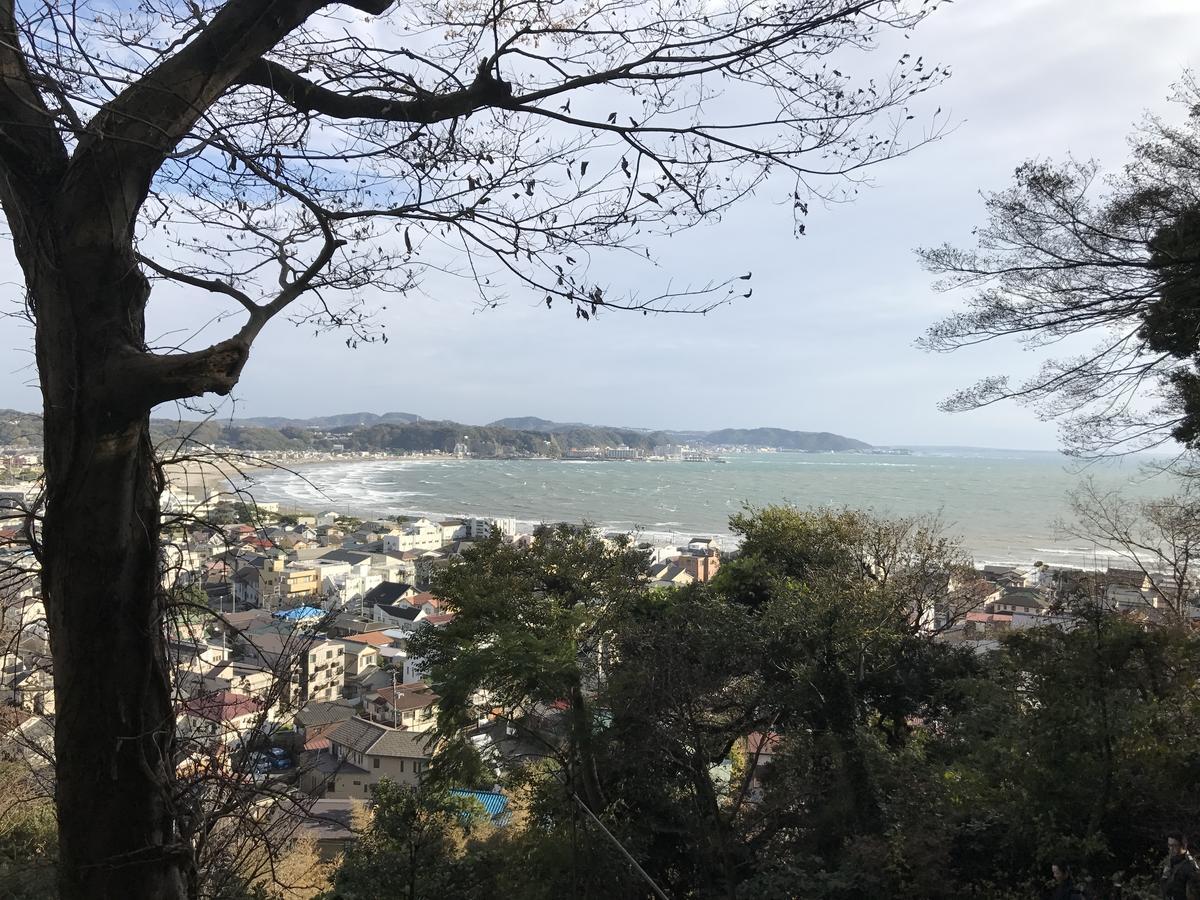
(329, 654)
(375, 762)
(401, 765)
(331, 786)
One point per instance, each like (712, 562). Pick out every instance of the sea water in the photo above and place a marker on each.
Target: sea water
(1005, 506)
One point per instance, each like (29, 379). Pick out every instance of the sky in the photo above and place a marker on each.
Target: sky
(826, 341)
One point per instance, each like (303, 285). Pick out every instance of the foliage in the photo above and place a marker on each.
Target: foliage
(1067, 253)
(901, 765)
(413, 849)
(28, 839)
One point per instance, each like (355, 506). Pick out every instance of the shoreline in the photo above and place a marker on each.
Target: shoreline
(1094, 559)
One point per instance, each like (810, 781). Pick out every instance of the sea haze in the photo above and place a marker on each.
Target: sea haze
(1003, 504)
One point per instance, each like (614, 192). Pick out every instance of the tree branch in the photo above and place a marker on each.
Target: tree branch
(30, 146)
(132, 134)
(427, 107)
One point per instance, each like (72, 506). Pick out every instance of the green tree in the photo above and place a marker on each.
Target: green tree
(414, 848)
(531, 637)
(1078, 743)
(848, 606)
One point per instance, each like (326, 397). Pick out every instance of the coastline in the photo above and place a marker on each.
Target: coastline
(479, 488)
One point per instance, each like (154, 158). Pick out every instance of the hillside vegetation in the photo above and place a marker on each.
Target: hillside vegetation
(408, 433)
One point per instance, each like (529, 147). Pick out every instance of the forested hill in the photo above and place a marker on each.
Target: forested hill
(780, 438)
(407, 433)
(811, 441)
(18, 429)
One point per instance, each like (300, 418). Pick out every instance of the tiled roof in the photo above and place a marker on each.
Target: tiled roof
(386, 593)
(222, 706)
(407, 613)
(414, 695)
(326, 713)
(367, 737)
(357, 734)
(373, 638)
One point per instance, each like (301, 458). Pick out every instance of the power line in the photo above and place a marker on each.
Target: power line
(628, 856)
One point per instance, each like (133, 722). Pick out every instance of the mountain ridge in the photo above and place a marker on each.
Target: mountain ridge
(408, 432)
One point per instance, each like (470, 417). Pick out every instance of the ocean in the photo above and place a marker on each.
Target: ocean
(1005, 506)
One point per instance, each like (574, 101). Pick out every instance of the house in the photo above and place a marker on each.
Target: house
(1018, 600)
(379, 638)
(222, 718)
(411, 706)
(359, 656)
(366, 752)
(330, 824)
(1003, 576)
(701, 559)
(404, 618)
(28, 738)
(494, 804)
(387, 594)
(239, 677)
(426, 602)
(315, 719)
(669, 574)
(760, 749)
(452, 530)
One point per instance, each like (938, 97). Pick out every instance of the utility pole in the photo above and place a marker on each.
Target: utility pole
(393, 696)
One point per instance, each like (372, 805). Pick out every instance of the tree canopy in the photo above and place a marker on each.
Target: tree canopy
(1068, 255)
(799, 726)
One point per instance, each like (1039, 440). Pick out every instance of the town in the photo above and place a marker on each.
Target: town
(289, 642)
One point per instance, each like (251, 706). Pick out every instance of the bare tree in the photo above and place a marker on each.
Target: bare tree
(1158, 539)
(1067, 255)
(290, 158)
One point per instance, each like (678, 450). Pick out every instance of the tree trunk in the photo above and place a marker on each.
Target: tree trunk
(119, 833)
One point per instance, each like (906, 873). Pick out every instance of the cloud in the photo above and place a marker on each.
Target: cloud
(826, 340)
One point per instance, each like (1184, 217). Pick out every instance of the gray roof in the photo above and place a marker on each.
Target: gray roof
(367, 737)
(407, 613)
(1027, 597)
(347, 556)
(325, 713)
(386, 593)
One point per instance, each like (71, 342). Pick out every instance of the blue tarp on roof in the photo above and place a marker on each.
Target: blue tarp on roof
(495, 804)
(300, 613)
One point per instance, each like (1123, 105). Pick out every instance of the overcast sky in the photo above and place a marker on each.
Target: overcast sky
(825, 343)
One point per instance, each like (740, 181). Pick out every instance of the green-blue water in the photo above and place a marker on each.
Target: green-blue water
(1003, 504)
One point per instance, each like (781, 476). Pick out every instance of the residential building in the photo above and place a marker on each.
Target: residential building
(411, 706)
(314, 664)
(387, 594)
(270, 583)
(223, 718)
(364, 753)
(359, 655)
(401, 617)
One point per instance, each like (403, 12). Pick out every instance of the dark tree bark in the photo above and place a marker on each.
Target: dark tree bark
(119, 831)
